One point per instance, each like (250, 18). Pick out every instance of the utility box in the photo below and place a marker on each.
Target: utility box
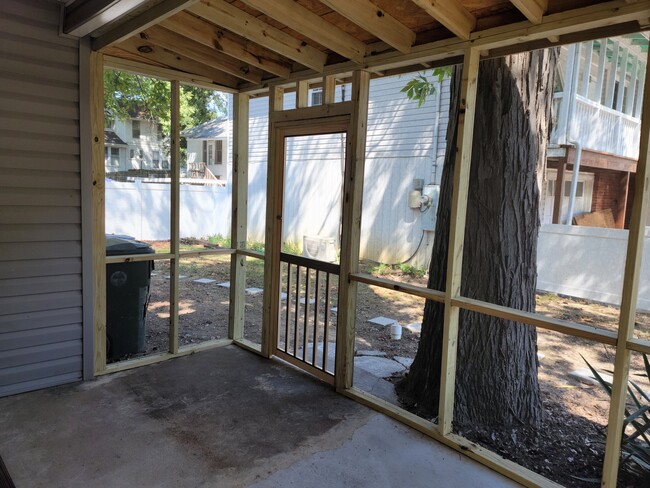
(127, 296)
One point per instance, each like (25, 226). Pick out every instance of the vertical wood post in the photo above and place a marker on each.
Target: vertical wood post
(175, 154)
(98, 217)
(559, 189)
(602, 61)
(273, 237)
(639, 97)
(302, 94)
(466, 115)
(355, 155)
(329, 90)
(628, 300)
(238, 231)
(567, 100)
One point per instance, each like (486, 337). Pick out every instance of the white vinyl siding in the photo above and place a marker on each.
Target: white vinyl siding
(40, 203)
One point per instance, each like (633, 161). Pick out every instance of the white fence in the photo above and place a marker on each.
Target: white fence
(588, 262)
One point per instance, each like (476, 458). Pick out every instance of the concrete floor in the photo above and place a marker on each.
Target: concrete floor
(220, 418)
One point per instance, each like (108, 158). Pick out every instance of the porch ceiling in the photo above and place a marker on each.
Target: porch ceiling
(247, 44)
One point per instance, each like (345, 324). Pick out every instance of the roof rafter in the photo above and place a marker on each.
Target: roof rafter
(451, 14)
(307, 23)
(370, 17)
(177, 43)
(210, 35)
(222, 13)
(145, 49)
(146, 19)
(534, 10)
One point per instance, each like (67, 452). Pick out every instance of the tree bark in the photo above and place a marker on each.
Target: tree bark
(496, 378)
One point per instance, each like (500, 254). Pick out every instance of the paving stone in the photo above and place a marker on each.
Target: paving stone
(586, 376)
(205, 280)
(406, 362)
(334, 309)
(370, 353)
(180, 277)
(225, 284)
(377, 366)
(283, 296)
(254, 291)
(311, 301)
(385, 321)
(540, 356)
(415, 327)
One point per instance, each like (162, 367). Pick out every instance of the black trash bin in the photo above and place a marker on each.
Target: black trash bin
(127, 294)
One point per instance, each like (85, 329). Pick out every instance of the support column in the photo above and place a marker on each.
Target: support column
(98, 217)
(559, 189)
(466, 114)
(628, 300)
(238, 231)
(175, 155)
(355, 156)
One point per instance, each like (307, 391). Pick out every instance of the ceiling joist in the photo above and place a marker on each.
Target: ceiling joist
(147, 50)
(451, 14)
(149, 17)
(215, 37)
(307, 23)
(370, 17)
(534, 10)
(190, 49)
(222, 13)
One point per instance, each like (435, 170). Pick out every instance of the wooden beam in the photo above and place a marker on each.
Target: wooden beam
(355, 156)
(534, 10)
(82, 17)
(191, 49)
(148, 50)
(451, 14)
(212, 36)
(463, 162)
(146, 19)
(629, 297)
(302, 95)
(307, 23)
(98, 214)
(230, 17)
(142, 66)
(329, 90)
(375, 20)
(273, 240)
(239, 217)
(174, 217)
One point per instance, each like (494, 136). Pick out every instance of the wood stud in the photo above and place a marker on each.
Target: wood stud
(175, 153)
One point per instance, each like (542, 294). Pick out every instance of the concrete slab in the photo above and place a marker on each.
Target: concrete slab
(406, 362)
(415, 327)
(222, 418)
(371, 353)
(385, 321)
(225, 284)
(377, 366)
(586, 376)
(180, 277)
(254, 291)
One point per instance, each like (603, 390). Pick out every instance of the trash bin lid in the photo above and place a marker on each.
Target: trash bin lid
(116, 246)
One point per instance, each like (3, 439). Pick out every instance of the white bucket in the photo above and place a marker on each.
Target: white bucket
(395, 332)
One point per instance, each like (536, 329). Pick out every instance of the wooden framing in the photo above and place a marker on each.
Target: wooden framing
(451, 14)
(238, 232)
(469, 84)
(175, 153)
(96, 68)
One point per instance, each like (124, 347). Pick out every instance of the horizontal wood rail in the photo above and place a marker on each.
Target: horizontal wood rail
(429, 294)
(251, 254)
(210, 251)
(324, 266)
(134, 258)
(638, 345)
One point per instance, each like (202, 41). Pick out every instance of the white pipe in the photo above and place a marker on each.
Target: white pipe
(574, 182)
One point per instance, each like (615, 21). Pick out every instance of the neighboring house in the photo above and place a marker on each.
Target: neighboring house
(208, 150)
(135, 143)
(597, 110)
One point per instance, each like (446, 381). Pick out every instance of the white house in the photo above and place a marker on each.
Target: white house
(135, 143)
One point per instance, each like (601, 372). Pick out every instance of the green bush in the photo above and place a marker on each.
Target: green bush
(635, 443)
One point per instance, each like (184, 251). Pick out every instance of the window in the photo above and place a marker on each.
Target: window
(135, 129)
(219, 151)
(159, 131)
(579, 190)
(156, 159)
(112, 156)
(132, 153)
(317, 97)
(205, 151)
(210, 153)
(109, 122)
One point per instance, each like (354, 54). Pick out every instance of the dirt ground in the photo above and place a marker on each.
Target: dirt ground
(567, 448)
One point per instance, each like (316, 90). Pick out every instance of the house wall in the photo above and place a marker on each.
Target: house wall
(609, 192)
(40, 202)
(148, 142)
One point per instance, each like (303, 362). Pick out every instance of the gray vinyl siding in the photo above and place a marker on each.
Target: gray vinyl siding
(40, 202)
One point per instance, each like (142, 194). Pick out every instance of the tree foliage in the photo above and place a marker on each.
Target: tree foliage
(126, 94)
(420, 87)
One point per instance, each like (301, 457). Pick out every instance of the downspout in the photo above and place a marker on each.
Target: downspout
(576, 143)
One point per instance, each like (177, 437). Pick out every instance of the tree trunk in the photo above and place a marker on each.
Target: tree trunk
(496, 379)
